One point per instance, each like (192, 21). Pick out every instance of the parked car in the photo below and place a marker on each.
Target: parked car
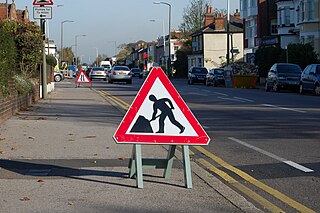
(197, 75)
(120, 73)
(58, 76)
(136, 72)
(310, 79)
(215, 77)
(283, 76)
(98, 73)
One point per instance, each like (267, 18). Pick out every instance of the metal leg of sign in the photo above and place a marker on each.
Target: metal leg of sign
(187, 167)
(168, 169)
(135, 165)
(138, 158)
(132, 163)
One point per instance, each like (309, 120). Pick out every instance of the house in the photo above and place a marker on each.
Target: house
(209, 44)
(279, 23)
(260, 26)
(299, 22)
(10, 11)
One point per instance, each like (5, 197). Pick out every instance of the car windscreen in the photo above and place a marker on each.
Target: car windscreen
(285, 68)
(121, 68)
(200, 70)
(98, 69)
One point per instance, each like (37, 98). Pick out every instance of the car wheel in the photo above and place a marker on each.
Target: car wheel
(110, 81)
(129, 82)
(191, 81)
(188, 81)
(317, 89)
(301, 89)
(214, 84)
(275, 87)
(57, 78)
(266, 87)
(207, 83)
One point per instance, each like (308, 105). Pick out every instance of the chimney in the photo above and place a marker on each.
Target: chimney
(237, 14)
(208, 17)
(219, 24)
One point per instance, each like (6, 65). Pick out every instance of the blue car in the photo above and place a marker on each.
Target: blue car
(310, 79)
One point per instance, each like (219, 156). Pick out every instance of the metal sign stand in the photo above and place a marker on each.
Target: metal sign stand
(137, 163)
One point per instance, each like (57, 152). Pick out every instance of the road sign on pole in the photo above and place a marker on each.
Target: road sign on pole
(42, 2)
(42, 12)
(158, 115)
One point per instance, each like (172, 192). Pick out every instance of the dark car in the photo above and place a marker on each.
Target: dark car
(283, 76)
(197, 75)
(215, 77)
(310, 79)
(136, 72)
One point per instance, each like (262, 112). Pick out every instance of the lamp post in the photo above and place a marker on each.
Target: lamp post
(228, 32)
(164, 37)
(169, 45)
(76, 47)
(97, 56)
(61, 41)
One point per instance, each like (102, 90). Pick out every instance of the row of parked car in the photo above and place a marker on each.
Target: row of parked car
(280, 76)
(115, 74)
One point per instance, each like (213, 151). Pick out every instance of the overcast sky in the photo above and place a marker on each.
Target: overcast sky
(106, 22)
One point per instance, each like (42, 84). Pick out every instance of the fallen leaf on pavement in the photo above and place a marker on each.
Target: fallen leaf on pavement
(40, 181)
(90, 136)
(2, 139)
(70, 203)
(122, 158)
(2, 152)
(25, 199)
(13, 149)
(31, 138)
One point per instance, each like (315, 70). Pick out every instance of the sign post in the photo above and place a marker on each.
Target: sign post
(158, 116)
(83, 78)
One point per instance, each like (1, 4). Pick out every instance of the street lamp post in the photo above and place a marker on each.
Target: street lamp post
(61, 41)
(164, 37)
(76, 47)
(97, 56)
(169, 45)
(228, 32)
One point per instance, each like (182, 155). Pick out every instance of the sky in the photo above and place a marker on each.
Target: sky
(109, 23)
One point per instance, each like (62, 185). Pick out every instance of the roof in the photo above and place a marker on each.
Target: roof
(235, 26)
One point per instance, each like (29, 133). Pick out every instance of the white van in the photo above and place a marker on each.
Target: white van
(106, 65)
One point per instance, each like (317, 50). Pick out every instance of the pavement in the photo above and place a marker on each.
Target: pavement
(59, 156)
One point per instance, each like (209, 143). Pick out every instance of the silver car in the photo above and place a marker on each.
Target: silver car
(98, 73)
(120, 74)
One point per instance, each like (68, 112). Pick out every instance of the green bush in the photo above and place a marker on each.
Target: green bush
(265, 58)
(8, 54)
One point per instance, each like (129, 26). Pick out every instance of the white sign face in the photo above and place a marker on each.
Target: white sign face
(42, 12)
(174, 122)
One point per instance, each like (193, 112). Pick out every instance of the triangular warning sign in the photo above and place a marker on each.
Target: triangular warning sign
(158, 115)
(42, 2)
(82, 78)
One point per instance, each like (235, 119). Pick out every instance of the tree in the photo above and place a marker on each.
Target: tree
(181, 64)
(51, 60)
(68, 55)
(193, 16)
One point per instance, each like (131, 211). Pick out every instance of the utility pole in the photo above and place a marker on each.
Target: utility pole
(44, 63)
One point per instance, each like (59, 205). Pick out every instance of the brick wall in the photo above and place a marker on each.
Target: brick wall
(10, 105)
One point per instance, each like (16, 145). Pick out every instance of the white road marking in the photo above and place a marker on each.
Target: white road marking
(200, 94)
(204, 90)
(219, 93)
(284, 108)
(231, 99)
(244, 99)
(290, 163)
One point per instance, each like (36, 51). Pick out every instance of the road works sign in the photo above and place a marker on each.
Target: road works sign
(82, 78)
(42, 2)
(158, 115)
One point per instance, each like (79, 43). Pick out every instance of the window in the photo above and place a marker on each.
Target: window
(298, 14)
(199, 61)
(274, 27)
(251, 28)
(287, 16)
(302, 11)
(310, 9)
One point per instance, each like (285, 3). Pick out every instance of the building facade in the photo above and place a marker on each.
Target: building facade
(11, 12)
(209, 44)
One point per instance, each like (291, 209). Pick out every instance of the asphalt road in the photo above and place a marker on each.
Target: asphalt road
(272, 137)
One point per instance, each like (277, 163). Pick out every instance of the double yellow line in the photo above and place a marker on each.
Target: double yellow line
(230, 180)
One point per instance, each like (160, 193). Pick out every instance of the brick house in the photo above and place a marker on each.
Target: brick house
(10, 11)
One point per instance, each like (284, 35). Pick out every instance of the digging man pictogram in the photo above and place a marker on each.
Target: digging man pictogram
(166, 111)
